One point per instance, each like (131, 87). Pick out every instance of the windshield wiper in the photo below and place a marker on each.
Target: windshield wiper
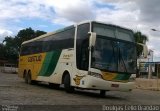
(113, 56)
(121, 59)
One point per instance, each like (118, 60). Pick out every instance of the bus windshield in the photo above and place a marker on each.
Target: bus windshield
(113, 32)
(114, 54)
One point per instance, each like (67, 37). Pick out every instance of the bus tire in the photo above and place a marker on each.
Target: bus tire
(102, 93)
(67, 84)
(26, 78)
(29, 77)
(55, 86)
(34, 82)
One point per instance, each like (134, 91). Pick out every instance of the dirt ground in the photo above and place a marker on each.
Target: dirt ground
(13, 91)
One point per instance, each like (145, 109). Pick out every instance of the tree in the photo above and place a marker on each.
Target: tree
(39, 33)
(140, 38)
(26, 34)
(10, 49)
(2, 51)
(11, 45)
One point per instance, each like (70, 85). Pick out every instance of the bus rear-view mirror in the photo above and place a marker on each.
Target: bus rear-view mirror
(145, 50)
(92, 40)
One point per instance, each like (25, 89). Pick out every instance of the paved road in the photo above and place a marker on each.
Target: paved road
(13, 90)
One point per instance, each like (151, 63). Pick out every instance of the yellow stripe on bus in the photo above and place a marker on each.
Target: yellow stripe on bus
(31, 62)
(108, 75)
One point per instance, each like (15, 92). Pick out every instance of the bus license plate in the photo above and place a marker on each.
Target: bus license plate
(115, 85)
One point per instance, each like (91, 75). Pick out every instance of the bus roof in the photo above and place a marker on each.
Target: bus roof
(51, 33)
(47, 34)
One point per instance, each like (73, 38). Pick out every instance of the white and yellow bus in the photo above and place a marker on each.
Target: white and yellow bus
(88, 55)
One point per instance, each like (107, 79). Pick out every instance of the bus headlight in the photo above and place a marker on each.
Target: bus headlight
(95, 74)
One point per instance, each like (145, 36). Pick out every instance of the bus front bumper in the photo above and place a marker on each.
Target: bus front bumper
(90, 82)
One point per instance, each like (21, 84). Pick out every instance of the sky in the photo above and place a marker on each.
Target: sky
(49, 15)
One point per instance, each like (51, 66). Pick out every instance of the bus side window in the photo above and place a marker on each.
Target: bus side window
(38, 46)
(59, 41)
(24, 50)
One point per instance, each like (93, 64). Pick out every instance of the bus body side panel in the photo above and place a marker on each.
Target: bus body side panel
(59, 63)
(65, 63)
(31, 63)
(48, 66)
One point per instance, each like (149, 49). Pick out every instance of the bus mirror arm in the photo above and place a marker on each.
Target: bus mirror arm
(91, 48)
(145, 49)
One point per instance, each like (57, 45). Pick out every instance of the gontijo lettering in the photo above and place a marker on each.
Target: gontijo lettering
(35, 58)
(67, 56)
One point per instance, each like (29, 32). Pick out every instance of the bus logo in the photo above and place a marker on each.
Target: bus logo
(77, 79)
(35, 58)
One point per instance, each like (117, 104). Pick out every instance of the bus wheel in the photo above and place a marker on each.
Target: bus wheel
(29, 78)
(67, 84)
(102, 93)
(55, 86)
(34, 82)
(26, 78)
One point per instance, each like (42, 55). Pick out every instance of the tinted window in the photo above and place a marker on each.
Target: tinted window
(105, 55)
(113, 32)
(125, 35)
(114, 55)
(24, 50)
(32, 48)
(82, 44)
(104, 30)
(60, 40)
